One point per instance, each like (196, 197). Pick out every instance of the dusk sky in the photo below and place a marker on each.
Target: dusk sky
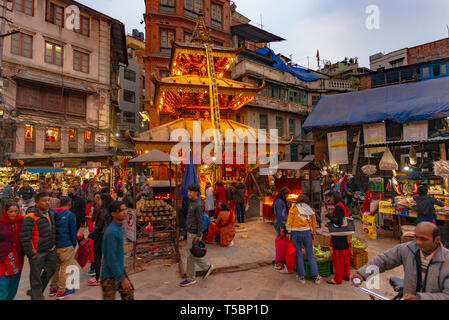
(336, 28)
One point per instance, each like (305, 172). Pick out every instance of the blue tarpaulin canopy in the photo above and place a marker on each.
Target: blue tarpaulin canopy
(45, 170)
(188, 178)
(424, 100)
(300, 73)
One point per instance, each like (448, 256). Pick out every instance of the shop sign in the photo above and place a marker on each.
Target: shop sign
(374, 133)
(58, 165)
(93, 164)
(338, 147)
(129, 225)
(416, 131)
(101, 141)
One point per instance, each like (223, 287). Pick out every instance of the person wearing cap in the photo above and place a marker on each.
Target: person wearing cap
(194, 227)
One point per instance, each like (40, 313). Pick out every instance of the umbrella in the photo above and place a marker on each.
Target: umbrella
(189, 177)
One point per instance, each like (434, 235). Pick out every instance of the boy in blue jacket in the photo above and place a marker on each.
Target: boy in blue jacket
(113, 275)
(66, 241)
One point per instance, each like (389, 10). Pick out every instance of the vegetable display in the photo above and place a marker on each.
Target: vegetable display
(320, 255)
(356, 243)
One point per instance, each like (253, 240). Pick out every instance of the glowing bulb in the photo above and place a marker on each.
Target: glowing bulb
(406, 168)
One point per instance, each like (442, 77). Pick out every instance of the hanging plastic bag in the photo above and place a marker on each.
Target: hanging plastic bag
(82, 255)
(413, 157)
(369, 169)
(388, 162)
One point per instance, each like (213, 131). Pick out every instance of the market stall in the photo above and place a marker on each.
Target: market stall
(299, 178)
(156, 223)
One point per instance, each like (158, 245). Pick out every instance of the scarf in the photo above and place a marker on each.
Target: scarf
(17, 222)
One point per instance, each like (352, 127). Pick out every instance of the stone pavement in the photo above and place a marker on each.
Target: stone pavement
(159, 282)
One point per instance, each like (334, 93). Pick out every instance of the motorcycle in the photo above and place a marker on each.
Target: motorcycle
(396, 283)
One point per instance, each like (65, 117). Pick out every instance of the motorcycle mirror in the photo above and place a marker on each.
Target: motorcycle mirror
(357, 282)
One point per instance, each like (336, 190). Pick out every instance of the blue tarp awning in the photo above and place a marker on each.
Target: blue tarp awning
(300, 73)
(424, 100)
(45, 170)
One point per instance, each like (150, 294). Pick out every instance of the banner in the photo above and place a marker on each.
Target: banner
(338, 147)
(129, 225)
(416, 131)
(373, 133)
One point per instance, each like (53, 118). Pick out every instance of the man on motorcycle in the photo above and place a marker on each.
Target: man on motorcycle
(425, 261)
(351, 186)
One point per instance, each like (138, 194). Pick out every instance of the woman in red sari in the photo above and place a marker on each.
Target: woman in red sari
(224, 226)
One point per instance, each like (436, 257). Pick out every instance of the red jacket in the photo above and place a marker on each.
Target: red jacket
(220, 194)
(11, 253)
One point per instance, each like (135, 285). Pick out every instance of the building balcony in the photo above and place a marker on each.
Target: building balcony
(338, 85)
(281, 105)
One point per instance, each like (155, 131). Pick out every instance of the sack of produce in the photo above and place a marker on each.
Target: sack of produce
(388, 162)
(441, 168)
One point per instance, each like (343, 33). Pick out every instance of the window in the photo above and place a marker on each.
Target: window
(291, 127)
(166, 36)
(263, 118)
(294, 153)
(84, 26)
(217, 16)
(393, 77)
(53, 53)
(394, 130)
(55, 14)
(187, 37)
(22, 45)
(53, 100)
(130, 75)
(436, 70)
(29, 96)
(88, 136)
(315, 99)
(88, 141)
(378, 80)
(76, 104)
(426, 72)
(25, 6)
(192, 7)
(280, 126)
(167, 5)
(52, 141)
(29, 138)
(129, 96)
(129, 117)
(80, 61)
(73, 140)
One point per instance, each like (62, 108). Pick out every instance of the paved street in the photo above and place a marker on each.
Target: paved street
(158, 281)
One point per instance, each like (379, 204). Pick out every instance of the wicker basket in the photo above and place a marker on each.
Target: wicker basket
(359, 260)
(323, 241)
(360, 250)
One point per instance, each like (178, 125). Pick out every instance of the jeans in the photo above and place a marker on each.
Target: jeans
(9, 286)
(42, 268)
(98, 252)
(240, 212)
(300, 238)
(193, 261)
(277, 226)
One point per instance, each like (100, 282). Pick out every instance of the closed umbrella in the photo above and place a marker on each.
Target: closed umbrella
(188, 178)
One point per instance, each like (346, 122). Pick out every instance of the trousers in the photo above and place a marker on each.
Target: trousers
(193, 261)
(110, 286)
(42, 268)
(9, 286)
(300, 239)
(342, 264)
(66, 258)
(240, 212)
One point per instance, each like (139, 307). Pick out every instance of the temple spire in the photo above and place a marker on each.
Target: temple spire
(200, 34)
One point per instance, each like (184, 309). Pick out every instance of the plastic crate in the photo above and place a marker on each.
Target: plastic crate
(324, 269)
(359, 260)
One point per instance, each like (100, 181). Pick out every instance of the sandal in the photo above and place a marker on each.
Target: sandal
(331, 282)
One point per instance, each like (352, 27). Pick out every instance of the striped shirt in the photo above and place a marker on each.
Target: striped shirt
(54, 203)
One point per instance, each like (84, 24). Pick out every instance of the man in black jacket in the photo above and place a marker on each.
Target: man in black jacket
(38, 242)
(194, 227)
(78, 207)
(425, 206)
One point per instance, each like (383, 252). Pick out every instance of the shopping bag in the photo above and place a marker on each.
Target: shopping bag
(82, 256)
(347, 228)
(80, 234)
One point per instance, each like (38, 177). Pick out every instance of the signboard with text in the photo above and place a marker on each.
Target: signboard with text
(129, 225)
(338, 147)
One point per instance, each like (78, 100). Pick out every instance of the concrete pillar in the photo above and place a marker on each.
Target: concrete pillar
(40, 139)
(64, 140)
(20, 139)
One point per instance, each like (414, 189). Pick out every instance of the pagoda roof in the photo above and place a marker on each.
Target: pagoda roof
(162, 134)
(192, 91)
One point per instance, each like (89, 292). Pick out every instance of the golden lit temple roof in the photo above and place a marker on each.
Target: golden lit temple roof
(191, 59)
(192, 92)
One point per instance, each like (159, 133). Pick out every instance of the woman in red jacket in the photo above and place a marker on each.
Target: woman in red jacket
(11, 254)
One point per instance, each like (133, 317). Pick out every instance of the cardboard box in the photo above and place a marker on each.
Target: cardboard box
(386, 207)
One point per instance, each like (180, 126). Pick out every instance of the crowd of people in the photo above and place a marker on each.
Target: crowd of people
(48, 225)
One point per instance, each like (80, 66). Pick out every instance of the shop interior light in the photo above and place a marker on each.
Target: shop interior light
(406, 168)
(117, 134)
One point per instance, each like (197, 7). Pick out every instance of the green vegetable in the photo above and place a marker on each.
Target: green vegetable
(356, 243)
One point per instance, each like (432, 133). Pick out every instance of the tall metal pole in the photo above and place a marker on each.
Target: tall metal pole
(2, 30)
